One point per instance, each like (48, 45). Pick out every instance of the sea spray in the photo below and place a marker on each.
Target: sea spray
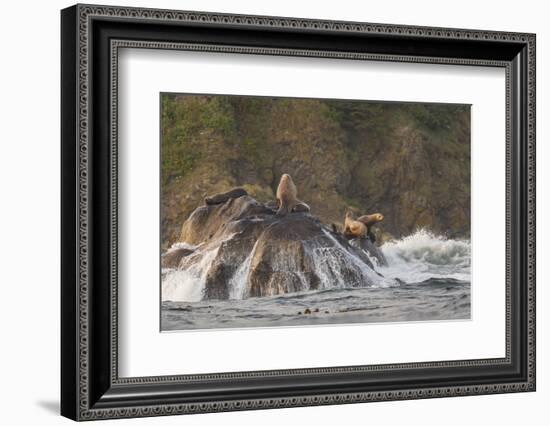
(338, 267)
(413, 259)
(238, 282)
(182, 245)
(187, 284)
(423, 255)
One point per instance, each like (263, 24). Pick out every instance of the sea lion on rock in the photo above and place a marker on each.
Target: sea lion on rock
(370, 220)
(223, 197)
(286, 196)
(353, 228)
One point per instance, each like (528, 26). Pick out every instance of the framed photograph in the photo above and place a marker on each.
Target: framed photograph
(263, 212)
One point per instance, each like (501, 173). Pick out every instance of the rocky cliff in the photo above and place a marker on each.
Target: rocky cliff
(410, 162)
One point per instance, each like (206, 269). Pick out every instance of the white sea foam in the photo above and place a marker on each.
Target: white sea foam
(423, 255)
(182, 245)
(237, 284)
(187, 285)
(330, 261)
(412, 259)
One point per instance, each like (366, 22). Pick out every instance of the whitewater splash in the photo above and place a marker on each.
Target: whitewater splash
(417, 258)
(427, 278)
(423, 256)
(332, 274)
(187, 284)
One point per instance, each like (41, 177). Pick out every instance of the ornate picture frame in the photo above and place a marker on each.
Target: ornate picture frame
(91, 37)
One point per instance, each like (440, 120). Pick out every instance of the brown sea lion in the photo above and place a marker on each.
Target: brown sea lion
(353, 228)
(371, 219)
(223, 197)
(286, 196)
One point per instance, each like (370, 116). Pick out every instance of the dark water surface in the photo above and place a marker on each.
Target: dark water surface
(436, 299)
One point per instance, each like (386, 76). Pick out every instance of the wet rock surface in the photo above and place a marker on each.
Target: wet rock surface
(368, 246)
(239, 248)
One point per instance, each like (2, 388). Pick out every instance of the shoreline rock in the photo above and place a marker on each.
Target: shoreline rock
(244, 250)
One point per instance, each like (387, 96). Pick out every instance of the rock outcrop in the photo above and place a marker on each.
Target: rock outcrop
(240, 249)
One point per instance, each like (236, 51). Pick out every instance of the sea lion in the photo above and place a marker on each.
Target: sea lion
(286, 196)
(370, 220)
(353, 228)
(223, 197)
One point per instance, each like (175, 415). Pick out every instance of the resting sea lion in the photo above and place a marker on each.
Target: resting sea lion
(222, 198)
(286, 196)
(371, 219)
(353, 228)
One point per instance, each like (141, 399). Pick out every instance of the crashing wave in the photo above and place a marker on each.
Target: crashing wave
(423, 255)
(187, 284)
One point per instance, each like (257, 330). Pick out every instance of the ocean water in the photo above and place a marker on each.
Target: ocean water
(427, 279)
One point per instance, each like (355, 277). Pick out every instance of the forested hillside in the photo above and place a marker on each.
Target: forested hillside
(409, 161)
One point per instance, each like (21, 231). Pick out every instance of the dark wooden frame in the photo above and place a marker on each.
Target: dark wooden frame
(90, 386)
